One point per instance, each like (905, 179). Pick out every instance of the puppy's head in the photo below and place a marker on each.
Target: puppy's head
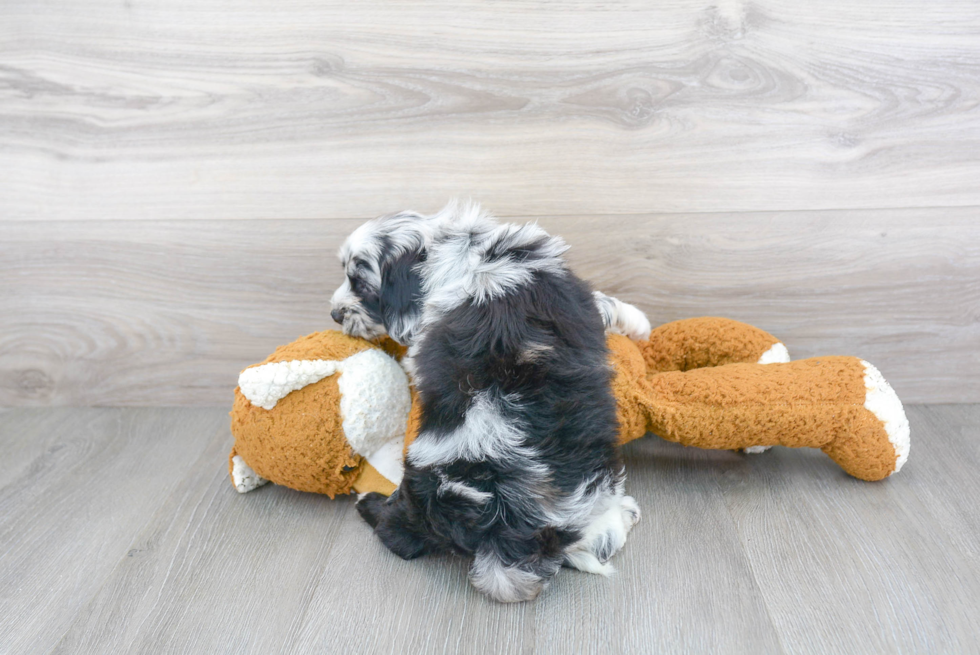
(381, 293)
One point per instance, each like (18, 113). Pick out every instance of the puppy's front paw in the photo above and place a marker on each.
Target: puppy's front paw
(370, 506)
(631, 512)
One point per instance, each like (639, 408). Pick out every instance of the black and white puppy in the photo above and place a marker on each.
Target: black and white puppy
(516, 461)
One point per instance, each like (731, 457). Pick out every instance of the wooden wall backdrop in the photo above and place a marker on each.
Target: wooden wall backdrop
(175, 175)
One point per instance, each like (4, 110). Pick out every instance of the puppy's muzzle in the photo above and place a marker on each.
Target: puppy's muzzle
(338, 315)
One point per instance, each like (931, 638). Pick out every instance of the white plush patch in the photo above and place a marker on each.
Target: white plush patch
(374, 401)
(244, 477)
(755, 450)
(884, 403)
(266, 385)
(387, 459)
(374, 397)
(777, 354)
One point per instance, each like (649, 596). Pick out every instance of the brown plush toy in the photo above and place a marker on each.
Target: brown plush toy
(688, 386)
(327, 413)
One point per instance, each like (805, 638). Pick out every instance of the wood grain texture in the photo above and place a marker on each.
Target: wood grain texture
(67, 519)
(146, 109)
(897, 573)
(280, 571)
(168, 312)
(774, 553)
(216, 571)
(687, 589)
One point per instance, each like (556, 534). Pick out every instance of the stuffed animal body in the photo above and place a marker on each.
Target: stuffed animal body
(318, 415)
(333, 414)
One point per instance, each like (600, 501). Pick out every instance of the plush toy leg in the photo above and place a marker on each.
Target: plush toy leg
(703, 342)
(868, 450)
(841, 405)
(242, 476)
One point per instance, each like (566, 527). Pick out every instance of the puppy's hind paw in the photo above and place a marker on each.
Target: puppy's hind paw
(631, 512)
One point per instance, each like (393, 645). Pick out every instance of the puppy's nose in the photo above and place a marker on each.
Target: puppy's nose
(337, 315)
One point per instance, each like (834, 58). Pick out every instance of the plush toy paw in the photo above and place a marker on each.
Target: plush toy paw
(244, 478)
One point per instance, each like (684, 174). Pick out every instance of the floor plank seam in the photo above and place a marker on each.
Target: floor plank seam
(516, 216)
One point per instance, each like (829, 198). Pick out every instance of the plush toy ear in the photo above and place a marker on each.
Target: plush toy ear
(400, 297)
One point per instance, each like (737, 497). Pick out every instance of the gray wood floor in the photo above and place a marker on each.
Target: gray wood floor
(119, 533)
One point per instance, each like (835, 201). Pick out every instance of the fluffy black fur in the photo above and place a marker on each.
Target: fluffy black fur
(516, 461)
(540, 353)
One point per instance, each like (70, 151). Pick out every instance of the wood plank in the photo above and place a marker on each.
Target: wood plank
(272, 571)
(421, 606)
(683, 582)
(168, 312)
(278, 571)
(849, 566)
(28, 438)
(945, 477)
(214, 570)
(710, 590)
(301, 109)
(152, 313)
(778, 552)
(68, 518)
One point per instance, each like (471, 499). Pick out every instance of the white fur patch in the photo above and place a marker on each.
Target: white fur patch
(613, 516)
(461, 489)
(458, 267)
(266, 385)
(755, 450)
(505, 584)
(533, 352)
(374, 400)
(243, 476)
(777, 354)
(884, 403)
(485, 434)
(622, 318)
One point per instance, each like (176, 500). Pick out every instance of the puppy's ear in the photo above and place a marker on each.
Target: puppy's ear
(400, 297)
